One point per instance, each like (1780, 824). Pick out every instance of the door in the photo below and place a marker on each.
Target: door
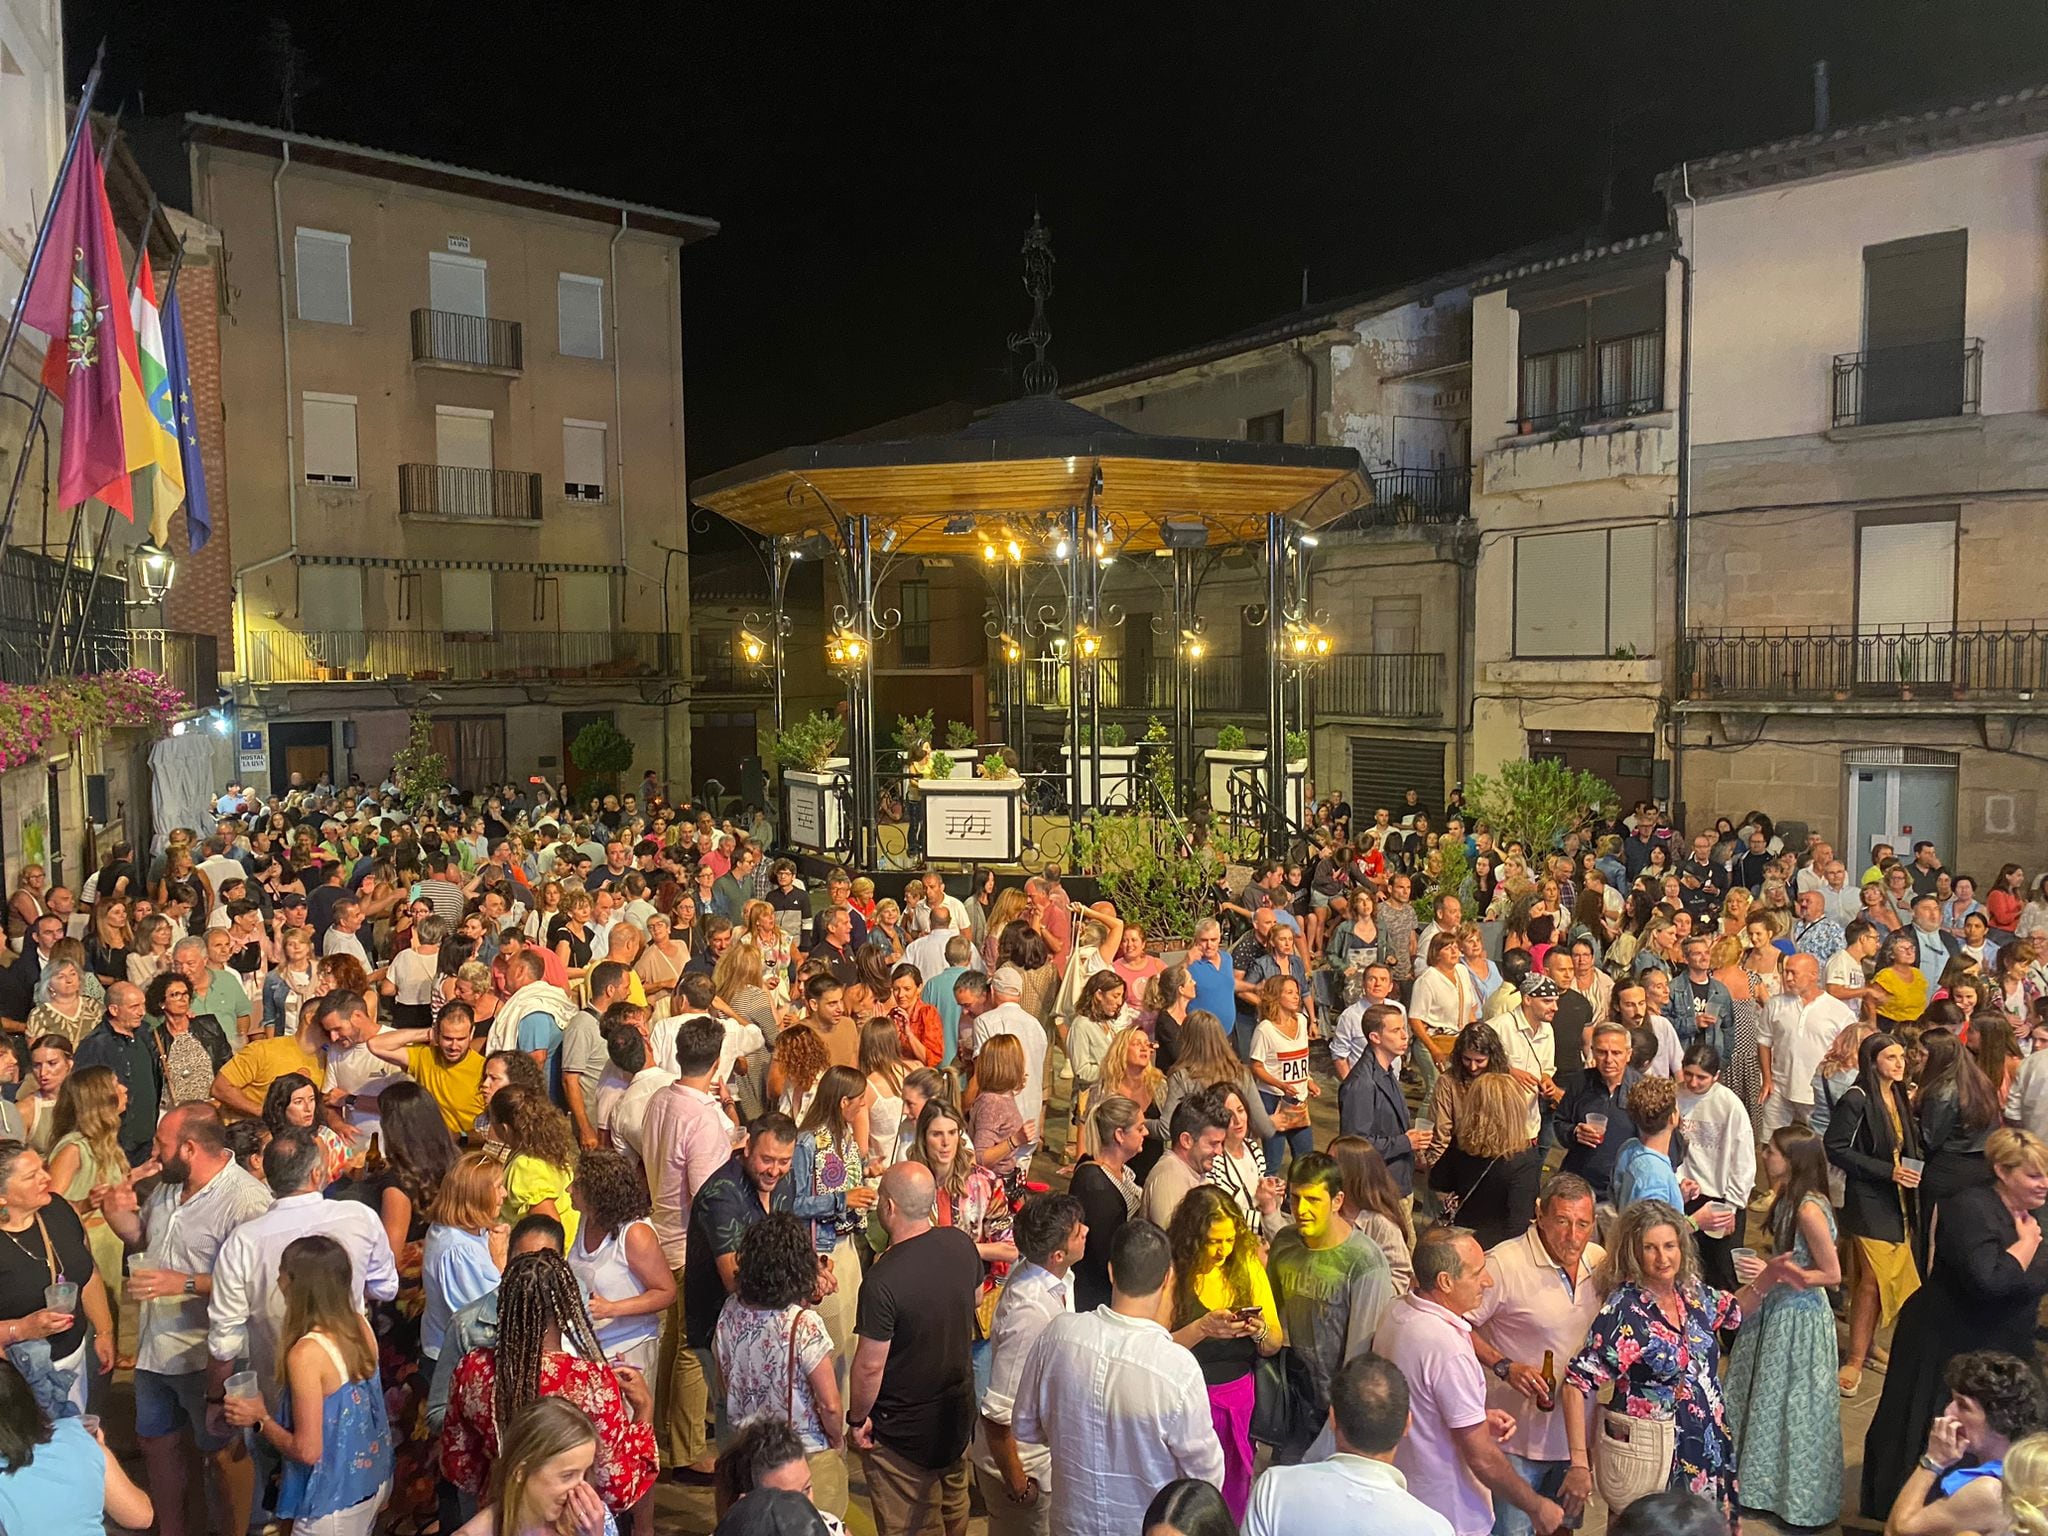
(462, 450)
(1901, 804)
(1623, 760)
(304, 747)
(1385, 768)
(475, 748)
(1905, 599)
(1396, 625)
(455, 285)
(1913, 317)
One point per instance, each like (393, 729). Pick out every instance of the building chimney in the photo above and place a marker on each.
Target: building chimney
(1820, 95)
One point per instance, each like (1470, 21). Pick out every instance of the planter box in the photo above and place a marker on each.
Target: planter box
(973, 820)
(1119, 776)
(1247, 765)
(817, 819)
(964, 759)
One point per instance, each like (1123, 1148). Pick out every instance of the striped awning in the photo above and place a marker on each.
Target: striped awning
(407, 563)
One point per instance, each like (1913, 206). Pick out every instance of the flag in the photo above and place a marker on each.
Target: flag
(161, 459)
(76, 297)
(198, 513)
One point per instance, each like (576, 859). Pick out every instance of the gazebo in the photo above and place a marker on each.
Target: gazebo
(1040, 481)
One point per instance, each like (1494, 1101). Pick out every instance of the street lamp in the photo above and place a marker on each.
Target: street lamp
(752, 647)
(158, 570)
(846, 650)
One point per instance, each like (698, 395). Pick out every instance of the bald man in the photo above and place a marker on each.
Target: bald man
(1799, 1026)
(910, 1402)
(120, 1043)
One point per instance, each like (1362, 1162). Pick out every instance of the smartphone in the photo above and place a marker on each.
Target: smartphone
(1248, 1314)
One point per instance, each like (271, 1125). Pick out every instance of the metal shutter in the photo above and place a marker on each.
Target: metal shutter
(1385, 768)
(579, 315)
(323, 283)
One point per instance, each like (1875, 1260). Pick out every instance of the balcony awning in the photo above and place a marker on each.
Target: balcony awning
(406, 563)
(1030, 459)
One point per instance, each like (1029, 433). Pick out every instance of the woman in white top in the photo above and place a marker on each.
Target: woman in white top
(617, 1259)
(1241, 1172)
(881, 1060)
(1720, 1157)
(547, 901)
(49, 1058)
(409, 982)
(151, 956)
(1279, 1060)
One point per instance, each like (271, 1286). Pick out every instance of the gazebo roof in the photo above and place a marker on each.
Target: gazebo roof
(1031, 458)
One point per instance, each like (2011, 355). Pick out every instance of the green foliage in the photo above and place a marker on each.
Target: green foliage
(420, 772)
(1535, 801)
(1165, 792)
(1156, 732)
(996, 764)
(942, 766)
(960, 733)
(913, 731)
(1230, 738)
(809, 742)
(1113, 735)
(603, 752)
(1297, 746)
(1152, 879)
(1453, 867)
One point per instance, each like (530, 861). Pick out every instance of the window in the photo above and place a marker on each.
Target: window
(1397, 625)
(1586, 594)
(323, 277)
(1916, 364)
(466, 602)
(330, 438)
(1905, 596)
(331, 598)
(455, 284)
(1269, 428)
(579, 308)
(917, 623)
(583, 460)
(462, 437)
(586, 600)
(1599, 358)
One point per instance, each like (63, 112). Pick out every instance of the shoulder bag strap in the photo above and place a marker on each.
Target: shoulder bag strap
(795, 1317)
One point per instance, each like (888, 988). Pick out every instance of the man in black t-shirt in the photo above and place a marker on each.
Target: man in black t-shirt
(910, 1394)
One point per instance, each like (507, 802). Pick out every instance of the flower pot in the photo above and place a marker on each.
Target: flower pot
(973, 820)
(963, 760)
(1118, 777)
(817, 815)
(1242, 767)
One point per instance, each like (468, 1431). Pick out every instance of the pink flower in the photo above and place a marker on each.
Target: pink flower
(1627, 1352)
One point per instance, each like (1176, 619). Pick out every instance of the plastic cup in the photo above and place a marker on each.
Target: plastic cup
(1424, 1123)
(1597, 1124)
(1913, 1164)
(241, 1384)
(61, 1297)
(91, 1421)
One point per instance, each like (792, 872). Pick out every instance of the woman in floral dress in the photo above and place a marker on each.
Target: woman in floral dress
(1655, 1340)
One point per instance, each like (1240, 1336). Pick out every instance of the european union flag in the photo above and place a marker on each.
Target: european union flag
(198, 514)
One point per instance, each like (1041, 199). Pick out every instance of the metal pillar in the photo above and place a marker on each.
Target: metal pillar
(1075, 768)
(1274, 828)
(1183, 693)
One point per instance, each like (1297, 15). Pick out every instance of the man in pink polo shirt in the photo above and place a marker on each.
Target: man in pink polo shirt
(1452, 1457)
(1540, 1305)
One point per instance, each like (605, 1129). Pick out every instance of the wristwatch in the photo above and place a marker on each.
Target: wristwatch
(1500, 1367)
(191, 1285)
(1929, 1464)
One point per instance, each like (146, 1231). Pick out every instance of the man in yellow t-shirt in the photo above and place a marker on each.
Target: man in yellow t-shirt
(241, 1085)
(441, 1061)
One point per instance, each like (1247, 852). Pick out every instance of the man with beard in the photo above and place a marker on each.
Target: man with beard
(204, 1195)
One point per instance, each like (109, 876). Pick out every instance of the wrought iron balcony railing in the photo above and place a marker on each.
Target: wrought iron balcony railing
(1404, 498)
(486, 495)
(1925, 381)
(468, 341)
(1840, 664)
(191, 662)
(1400, 685)
(427, 655)
(42, 597)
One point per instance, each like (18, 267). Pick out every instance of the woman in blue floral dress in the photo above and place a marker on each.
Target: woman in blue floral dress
(1655, 1340)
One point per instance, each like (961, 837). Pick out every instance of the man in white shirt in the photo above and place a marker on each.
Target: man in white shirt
(1008, 1018)
(1016, 1479)
(247, 1311)
(1359, 1488)
(1844, 976)
(220, 864)
(622, 1112)
(937, 897)
(1347, 1039)
(1531, 1049)
(928, 953)
(1120, 1407)
(342, 937)
(1798, 1027)
(203, 1196)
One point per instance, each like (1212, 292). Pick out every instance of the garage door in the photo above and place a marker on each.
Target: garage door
(1385, 768)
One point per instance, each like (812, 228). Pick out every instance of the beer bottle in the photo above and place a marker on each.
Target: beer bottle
(1549, 1381)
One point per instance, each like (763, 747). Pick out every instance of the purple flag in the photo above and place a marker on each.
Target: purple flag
(77, 298)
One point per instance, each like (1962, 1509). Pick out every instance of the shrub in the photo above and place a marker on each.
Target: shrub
(603, 752)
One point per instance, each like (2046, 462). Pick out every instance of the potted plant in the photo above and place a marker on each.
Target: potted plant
(960, 747)
(804, 748)
(1108, 770)
(1235, 767)
(974, 820)
(997, 764)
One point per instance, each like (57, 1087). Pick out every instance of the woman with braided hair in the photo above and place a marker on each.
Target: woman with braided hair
(540, 1308)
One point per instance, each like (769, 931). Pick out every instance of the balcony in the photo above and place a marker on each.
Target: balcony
(473, 495)
(39, 595)
(1927, 381)
(1413, 498)
(441, 338)
(1399, 686)
(424, 655)
(1827, 663)
(190, 662)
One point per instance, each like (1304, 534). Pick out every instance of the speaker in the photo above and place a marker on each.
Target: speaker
(348, 735)
(96, 807)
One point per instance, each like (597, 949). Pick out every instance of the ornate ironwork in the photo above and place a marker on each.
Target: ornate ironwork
(1040, 377)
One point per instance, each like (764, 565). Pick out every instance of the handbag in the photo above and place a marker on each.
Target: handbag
(1632, 1458)
(1285, 1414)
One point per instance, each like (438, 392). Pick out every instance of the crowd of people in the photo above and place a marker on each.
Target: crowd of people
(474, 1168)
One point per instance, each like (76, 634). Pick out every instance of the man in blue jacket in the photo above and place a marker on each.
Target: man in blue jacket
(1370, 1103)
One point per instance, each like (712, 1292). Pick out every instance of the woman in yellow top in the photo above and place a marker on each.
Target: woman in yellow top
(540, 1158)
(1900, 980)
(1223, 1314)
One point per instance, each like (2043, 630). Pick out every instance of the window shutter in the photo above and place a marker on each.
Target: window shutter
(330, 439)
(586, 601)
(323, 277)
(1906, 577)
(1632, 590)
(579, 305)
(583, 460)
(331, 598)
(466, 602)
(1560, 584)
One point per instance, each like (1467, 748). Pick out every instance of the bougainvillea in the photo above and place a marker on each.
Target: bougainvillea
(33, 715)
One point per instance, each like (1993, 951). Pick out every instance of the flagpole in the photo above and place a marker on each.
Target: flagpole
(35, 256)
(99, 555)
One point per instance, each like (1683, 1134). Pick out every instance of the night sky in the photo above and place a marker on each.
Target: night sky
(875, 166)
